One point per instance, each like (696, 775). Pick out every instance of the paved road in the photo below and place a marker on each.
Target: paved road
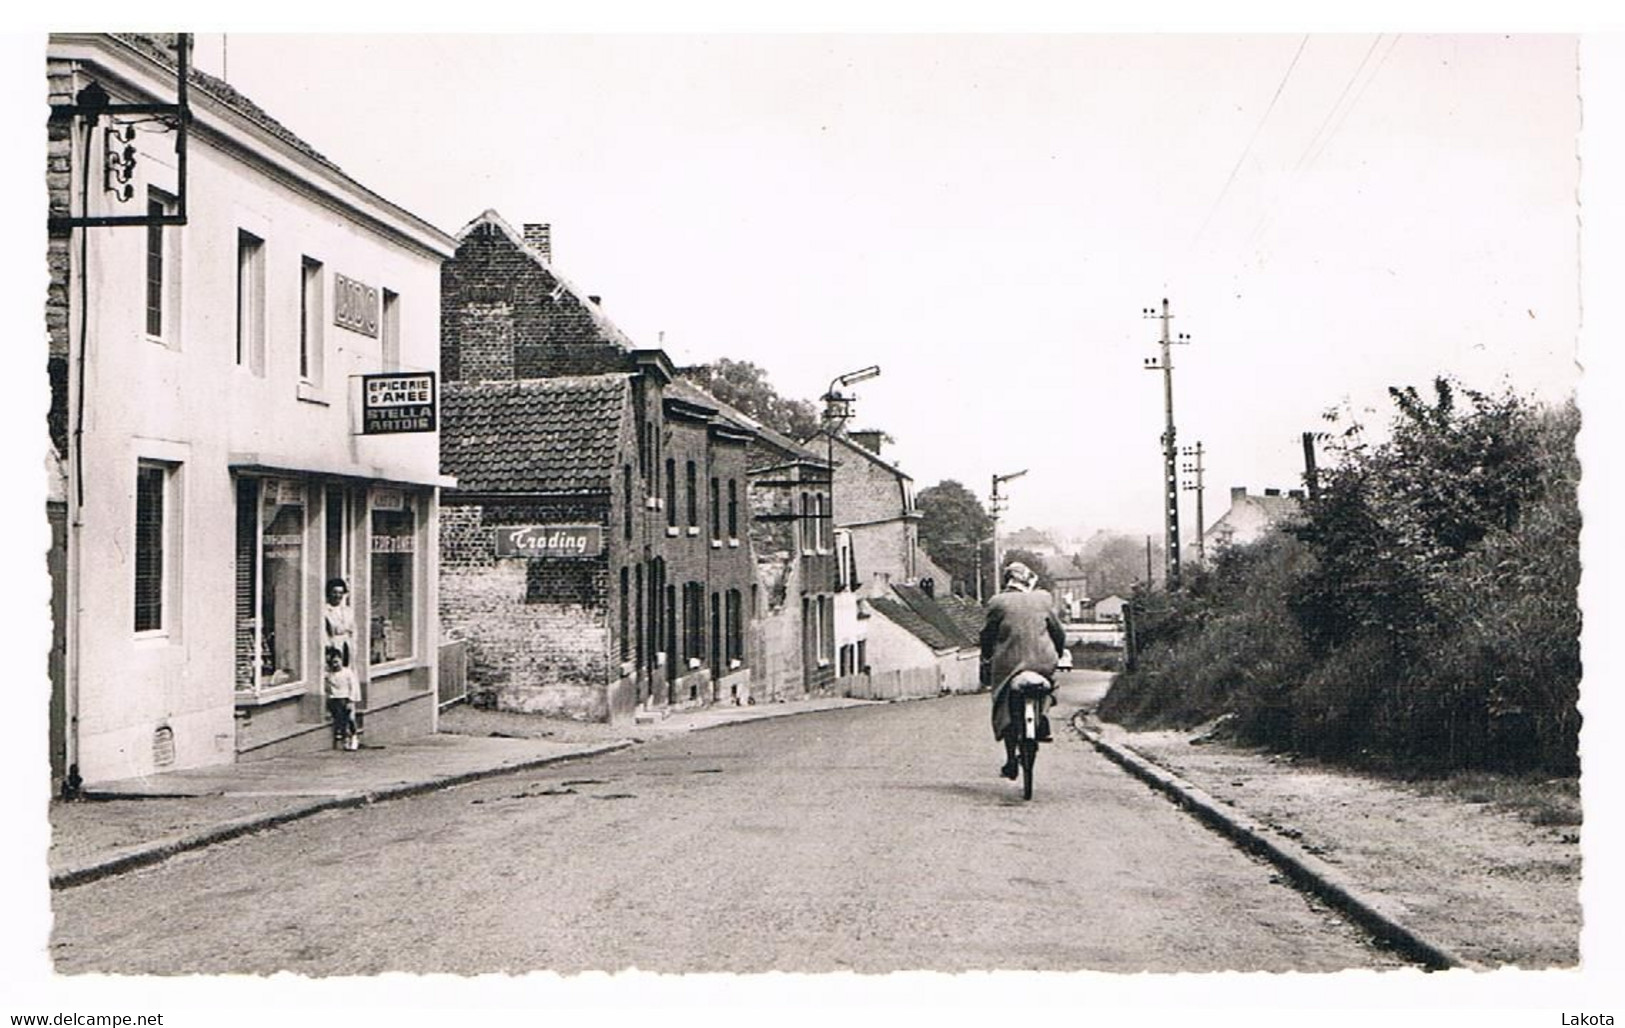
(874, 839)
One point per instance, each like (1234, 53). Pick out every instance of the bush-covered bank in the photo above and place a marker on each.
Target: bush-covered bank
(1423, 613)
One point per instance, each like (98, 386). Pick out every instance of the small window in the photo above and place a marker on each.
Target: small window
(310, 321)
(716, 509)
(151, 579)
(161, 277)
(671, 493)
(390, 327)
(733, 509)
(693, 500)
(250, 302)
(626, 500)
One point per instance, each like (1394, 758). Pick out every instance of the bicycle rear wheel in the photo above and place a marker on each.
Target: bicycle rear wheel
(1029, 754)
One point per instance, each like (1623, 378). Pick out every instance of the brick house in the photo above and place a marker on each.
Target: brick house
(565, 433)
(207, 319)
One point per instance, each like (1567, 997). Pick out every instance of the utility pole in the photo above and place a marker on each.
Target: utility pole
(1170, 451)
(996, 504)
(1195, 468)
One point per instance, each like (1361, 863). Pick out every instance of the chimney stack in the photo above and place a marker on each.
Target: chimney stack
(540, 239)
(868, 438)
(1238, 492)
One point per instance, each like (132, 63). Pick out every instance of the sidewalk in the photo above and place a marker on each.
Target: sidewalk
(136, 822)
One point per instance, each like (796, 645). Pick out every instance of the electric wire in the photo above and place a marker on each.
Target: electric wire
(1228, 182)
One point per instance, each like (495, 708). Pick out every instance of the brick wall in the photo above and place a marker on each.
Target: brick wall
(497, 300)
(538, 629)
(864, 490)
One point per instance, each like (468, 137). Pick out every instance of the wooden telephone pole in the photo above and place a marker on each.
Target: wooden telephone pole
(1170, 449)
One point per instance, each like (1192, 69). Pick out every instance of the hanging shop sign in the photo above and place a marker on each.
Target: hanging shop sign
(550, 540)
(397, 402)
(355, 306)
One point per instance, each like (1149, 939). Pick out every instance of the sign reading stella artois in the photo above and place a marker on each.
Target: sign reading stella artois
(397, 402)
(550, 540)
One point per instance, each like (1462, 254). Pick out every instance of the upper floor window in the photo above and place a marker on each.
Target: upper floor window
(733, 508)
(716, 509)
(161, 268)
(626, 500)
(310, 321)
(693, 500)
(671, 493)
(250, 302)
(390, 329)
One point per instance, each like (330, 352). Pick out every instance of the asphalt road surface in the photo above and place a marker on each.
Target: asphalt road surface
(873, 839)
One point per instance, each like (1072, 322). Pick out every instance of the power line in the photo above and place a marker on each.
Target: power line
(1315, 144)
(1253, 138)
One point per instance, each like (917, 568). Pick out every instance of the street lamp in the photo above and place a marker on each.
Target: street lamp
(837, 411)
(997, 502)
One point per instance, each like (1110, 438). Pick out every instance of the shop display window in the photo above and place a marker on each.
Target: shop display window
(393, 552)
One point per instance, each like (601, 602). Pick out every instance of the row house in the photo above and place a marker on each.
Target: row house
(598, 551)
(220, 297)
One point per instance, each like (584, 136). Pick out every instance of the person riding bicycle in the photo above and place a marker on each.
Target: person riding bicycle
(1022, 633)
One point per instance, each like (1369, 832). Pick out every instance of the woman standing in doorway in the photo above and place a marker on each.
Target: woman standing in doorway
(338, 620)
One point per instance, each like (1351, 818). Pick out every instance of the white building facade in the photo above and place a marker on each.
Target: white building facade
(207, 393)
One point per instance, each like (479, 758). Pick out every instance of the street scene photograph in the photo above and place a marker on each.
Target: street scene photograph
(572, 517)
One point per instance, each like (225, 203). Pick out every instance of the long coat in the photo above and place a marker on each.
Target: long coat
(1021, 633)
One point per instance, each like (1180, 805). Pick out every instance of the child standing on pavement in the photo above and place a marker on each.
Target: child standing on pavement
(342, 694)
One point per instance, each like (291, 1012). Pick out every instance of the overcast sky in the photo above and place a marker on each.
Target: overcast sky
(985, 217)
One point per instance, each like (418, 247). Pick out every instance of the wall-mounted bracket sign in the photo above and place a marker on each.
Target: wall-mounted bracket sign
(550, 540)
(398, 402)
(355, 306)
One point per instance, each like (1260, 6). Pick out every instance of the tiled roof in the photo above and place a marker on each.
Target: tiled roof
(158, 46)
(929, 610)
(905, 618)
(555, 435)
(967, 614)
(686, 389)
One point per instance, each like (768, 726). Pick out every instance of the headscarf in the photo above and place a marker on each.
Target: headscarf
(1019, 576)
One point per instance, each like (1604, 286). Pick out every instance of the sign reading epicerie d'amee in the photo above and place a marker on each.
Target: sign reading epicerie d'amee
(397, 402)
(550, 540)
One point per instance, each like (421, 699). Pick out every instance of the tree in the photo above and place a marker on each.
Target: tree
(1113, 562)
(744, 386)
(952, 528)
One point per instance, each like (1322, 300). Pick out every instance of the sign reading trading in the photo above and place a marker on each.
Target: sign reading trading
(397, 402)
(550, 541)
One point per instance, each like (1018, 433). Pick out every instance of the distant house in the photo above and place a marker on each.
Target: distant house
(1071, 592)
(1250, 516)
(1110, 608)
(922, 645)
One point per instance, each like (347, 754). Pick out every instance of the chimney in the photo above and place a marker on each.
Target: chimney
(1296, 494)
(1238, 492)
(869, 439)
(540, 239)
(1272, 492)
(597, 301)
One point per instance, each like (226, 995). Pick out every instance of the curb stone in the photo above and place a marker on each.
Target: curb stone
(1376, 914)
(162, 850)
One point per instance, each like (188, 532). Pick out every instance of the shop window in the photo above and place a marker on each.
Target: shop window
(151, 575)
(393, 594)
(271, 628)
